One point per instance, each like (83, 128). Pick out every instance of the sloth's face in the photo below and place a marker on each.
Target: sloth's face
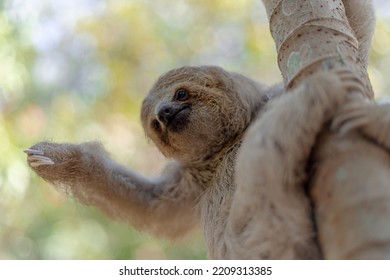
(193, 113)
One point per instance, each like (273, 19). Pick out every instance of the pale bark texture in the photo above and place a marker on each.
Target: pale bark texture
(350, 185)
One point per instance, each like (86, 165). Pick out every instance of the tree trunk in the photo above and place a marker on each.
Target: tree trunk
(349, 187)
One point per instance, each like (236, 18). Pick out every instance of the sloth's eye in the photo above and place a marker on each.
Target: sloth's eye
(182, 94)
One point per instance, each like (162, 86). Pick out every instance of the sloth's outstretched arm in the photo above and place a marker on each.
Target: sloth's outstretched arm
(270, 216)
(163, 205)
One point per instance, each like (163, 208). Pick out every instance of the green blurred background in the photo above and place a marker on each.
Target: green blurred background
(77, 70)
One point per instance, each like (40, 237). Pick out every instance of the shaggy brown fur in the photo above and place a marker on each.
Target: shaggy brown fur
(197, 116)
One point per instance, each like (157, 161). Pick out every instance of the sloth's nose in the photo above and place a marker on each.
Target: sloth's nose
(165, 113)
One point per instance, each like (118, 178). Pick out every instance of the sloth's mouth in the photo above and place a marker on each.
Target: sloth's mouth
(179, 120)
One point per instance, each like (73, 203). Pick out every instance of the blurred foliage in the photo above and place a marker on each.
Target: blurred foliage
(73, 71)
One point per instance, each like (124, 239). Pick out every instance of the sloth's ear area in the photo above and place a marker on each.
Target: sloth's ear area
(216, 77)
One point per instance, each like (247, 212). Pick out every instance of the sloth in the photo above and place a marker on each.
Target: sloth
(199, 117)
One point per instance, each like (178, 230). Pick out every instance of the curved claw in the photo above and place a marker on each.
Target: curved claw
(351, 117)
(39, 163)
(32, 151)
(352, 125)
